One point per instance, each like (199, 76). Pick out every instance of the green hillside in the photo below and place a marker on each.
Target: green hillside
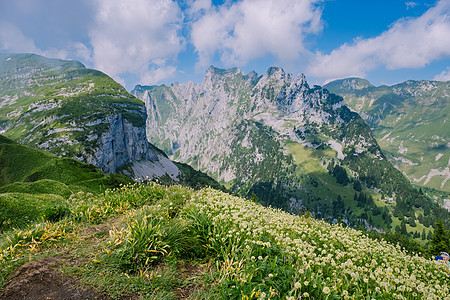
(409, 121)
(158, 242)
(24, 169)
(35, 184)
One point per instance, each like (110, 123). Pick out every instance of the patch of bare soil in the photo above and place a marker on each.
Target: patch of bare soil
(91, 231)
(188, 273)
(41, 280)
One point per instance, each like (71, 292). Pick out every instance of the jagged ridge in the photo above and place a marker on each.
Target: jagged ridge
(248, 130)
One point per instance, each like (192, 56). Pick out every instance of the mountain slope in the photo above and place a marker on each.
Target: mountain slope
(36, 185)
(274, 136)
(62, 107)
(410, 122)
(205, 245)
(27, 170)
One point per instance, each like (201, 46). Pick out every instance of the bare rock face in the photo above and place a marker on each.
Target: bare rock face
(236, 127)
(195, 123)
(121, 144)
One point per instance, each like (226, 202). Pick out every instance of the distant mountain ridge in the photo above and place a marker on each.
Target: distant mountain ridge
(271, 135)
(410, 122)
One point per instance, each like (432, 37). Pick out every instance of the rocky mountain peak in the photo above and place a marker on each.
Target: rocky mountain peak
(301, 79)
(215, 75)
(252, 77)
(228, 97)
(275, 71)
(275, 75)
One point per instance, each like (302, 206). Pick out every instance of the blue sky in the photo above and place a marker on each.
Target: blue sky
(162, 41)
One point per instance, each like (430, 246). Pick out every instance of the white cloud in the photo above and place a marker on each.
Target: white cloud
(249, 29)
(80, 50)
(198, 6)
(159, 73)
(410, 4)
(443, 76)
(408, 43)
(135, 37)
(13, 40)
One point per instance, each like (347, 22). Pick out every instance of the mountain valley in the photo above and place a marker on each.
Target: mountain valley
(409, 121)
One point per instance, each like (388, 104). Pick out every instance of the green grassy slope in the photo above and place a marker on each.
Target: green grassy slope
(158, 242)
(35, 184)
(27, 170)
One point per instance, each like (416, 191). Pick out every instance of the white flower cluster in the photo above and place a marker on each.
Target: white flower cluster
(346, 263)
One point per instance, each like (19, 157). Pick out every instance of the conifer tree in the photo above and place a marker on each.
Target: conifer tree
(440, 240)
(357, 185)
(254, 198)
(403, 227)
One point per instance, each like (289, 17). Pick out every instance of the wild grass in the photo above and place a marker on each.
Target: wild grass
(28, 170)
(19, 210)
(43, 186)
(174, 242)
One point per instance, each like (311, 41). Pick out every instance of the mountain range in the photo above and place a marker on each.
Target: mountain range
(291, 145)
(269, 137)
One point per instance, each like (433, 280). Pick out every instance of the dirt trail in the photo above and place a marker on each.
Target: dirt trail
(41, 280)
(188, 274)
